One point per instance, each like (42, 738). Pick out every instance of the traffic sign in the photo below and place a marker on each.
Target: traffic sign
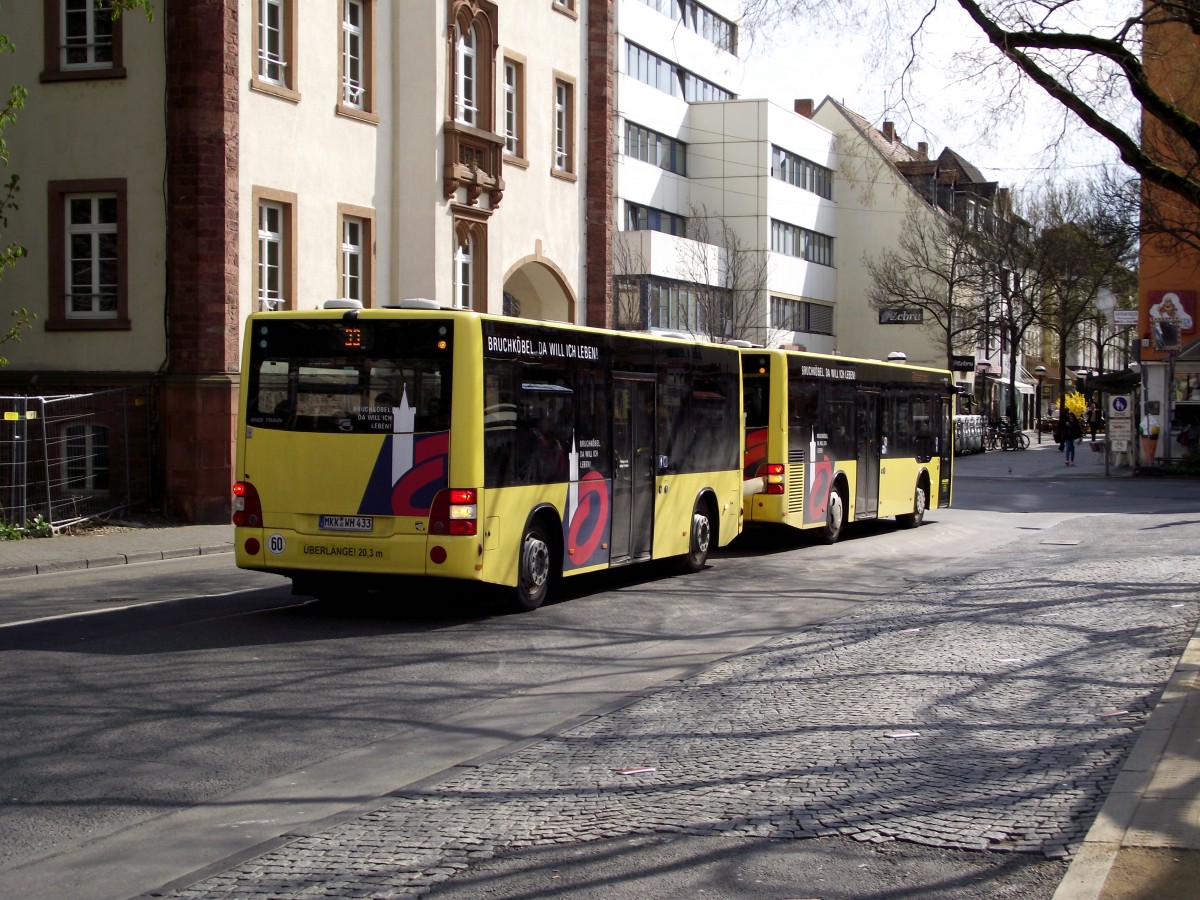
(1123, 317)
(1120, 406)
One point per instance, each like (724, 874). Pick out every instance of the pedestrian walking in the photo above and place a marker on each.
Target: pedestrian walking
(1072, 432)
(1094, 419)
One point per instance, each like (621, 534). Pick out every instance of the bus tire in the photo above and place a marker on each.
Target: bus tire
(700, 538)
(835, 516)
(920, 504)
(535, 563)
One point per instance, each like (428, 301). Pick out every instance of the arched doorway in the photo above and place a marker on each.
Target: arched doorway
(535, 289)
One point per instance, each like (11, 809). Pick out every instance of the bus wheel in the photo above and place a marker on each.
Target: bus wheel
(917, 516)
(533, 568)
(835, 516)
(700, 539)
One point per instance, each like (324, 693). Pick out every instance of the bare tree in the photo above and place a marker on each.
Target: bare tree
(1097, 63)
(629, 279)
(934, 270)
(1078, 256)
(726, 280)
(1012, 274)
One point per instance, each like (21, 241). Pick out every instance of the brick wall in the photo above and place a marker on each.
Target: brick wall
(198, 391)
(601, 162)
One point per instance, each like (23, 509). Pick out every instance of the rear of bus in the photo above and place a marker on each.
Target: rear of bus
(343, 452)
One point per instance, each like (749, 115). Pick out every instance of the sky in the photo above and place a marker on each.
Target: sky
(794, 63)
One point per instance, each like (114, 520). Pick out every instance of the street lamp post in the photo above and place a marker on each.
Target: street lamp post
(1040, 372)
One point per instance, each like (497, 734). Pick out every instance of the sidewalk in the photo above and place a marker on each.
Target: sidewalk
(116, 545)
(1044, 460)
(1145, 839)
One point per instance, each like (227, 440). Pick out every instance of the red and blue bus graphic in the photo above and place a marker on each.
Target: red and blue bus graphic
(406, 478)
(587, 520)
(409, 470)
(756, 452)
(818, 478)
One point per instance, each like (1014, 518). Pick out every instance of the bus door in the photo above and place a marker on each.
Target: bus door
(945, 450)
(634, 461)
(866, 501)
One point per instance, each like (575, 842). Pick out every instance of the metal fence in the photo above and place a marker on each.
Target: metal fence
(72, 457)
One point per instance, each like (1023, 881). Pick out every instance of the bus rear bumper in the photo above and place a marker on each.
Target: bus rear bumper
(289, 552)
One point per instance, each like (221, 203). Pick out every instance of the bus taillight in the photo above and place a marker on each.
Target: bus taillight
(247, 508)
(772, 476)
(455, 511)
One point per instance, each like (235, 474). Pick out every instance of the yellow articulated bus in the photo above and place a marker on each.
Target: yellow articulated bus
(832, 440)
(425, 441)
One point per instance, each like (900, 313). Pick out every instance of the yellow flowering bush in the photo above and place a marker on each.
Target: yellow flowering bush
(1076, 403)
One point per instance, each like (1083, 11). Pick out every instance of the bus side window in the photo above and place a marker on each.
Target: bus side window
(499, 425)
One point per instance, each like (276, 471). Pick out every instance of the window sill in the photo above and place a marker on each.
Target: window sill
(274, 90)
(359, 115)
(55, 75)
(569, 11)
(519, 161)
(88, 325)
(564, 176)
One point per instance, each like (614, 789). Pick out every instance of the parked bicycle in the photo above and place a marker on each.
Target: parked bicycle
(1005, 435)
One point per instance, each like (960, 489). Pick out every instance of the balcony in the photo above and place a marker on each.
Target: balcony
(474, 159)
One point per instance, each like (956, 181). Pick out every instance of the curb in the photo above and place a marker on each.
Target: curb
(119, 559)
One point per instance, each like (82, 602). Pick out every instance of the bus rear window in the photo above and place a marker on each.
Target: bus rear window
(366, 376)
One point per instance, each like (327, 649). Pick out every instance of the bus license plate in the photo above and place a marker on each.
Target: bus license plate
(346, 523)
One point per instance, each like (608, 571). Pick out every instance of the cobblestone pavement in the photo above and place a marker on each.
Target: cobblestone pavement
(988, 712)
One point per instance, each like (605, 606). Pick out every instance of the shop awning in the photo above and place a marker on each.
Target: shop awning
(1115, 382)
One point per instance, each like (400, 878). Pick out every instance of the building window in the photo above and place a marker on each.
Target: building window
(647, 218)
(270, 256)
(467, 59)
(564, 126)
(650, 68)
(352, 258)
(274, 250)
(792, 240)
(271, 60)
(355, 262)
(470, 265)
(464, 272)
(87, 40)
(473, 53)
(81, 39)
(801, 172)
(565, 5)
(700, 20)
(657, 149)
(275, 48)
(673, 305)
(92, 256)
(87, 226)
(514, 107)
(800, 315)
(357, 96)
(85, 458)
